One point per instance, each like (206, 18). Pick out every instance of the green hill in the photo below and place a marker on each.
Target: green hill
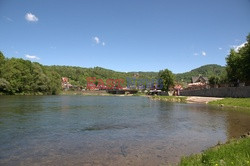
(19, 76)
(206, 71)
(78, 75)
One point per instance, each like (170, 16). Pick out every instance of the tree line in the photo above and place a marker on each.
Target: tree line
(19, 76)
(238, 64)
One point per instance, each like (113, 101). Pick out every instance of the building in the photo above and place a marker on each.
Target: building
(199, 79)
(199, 82)
(65, 83)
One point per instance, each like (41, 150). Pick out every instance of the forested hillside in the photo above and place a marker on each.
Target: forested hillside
(206, 71)
(18, 76)
(78, 75)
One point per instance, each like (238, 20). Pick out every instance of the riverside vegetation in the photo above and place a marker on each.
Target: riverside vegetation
(237, 102)
(234, 152)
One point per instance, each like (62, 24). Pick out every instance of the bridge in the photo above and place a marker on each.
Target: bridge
(121, 91)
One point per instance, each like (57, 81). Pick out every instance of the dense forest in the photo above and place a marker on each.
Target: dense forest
(206, 71)
(18, 76)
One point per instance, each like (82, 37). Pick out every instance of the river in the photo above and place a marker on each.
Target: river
(109, 130)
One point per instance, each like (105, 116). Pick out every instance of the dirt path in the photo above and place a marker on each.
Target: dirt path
(197, 99)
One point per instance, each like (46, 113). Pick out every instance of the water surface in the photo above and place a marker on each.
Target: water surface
(105, 130)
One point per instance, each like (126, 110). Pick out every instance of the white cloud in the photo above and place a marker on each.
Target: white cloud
(96, 39)
(203, 53)
(33, 57)
(8, 19)
(220, 48)
(31, 17)
(237, 47)
(103, 43)
(196, 54)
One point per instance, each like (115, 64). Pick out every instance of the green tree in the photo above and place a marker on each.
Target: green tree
(244, 52)
(213, 80)
(2, 59)
(40, 79)
(54, 82)
(233, 67)
(5, 86)
(238, 64)
(167, 78)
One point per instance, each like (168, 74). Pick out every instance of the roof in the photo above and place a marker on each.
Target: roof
(199, 79)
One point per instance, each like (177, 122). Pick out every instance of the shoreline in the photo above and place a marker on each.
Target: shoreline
(221, 154)
(186, 99)
(199, 99)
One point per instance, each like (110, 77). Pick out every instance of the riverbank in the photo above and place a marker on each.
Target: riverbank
(233, 102)
(97, 93)
(170, 98)
(186, 99)
(234, 152)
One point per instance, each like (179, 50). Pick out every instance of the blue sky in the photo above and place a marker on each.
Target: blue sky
(134, 35)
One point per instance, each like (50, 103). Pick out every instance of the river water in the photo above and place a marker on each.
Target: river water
(109, 130)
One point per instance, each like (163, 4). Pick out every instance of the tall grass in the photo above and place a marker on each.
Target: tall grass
(239, 102)
(235, 153)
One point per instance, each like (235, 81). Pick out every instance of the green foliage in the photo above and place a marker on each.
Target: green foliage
(235, 152)
(238, 64)
(234, 66)
(2, 59)
(167, 78)
(77, 75)
(20, 76)
(205, 71)
(214, 80)
(239, 102)
(4, 86)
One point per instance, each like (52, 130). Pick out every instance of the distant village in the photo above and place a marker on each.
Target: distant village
(196, 83)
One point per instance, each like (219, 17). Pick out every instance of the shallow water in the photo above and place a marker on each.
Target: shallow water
(106, 130)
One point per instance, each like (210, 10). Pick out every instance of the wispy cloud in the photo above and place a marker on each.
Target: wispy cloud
(220, 48)
(203, 53)
(7, 18)
(31, 17)
(32, 57)
(96, 40)
(237, 47)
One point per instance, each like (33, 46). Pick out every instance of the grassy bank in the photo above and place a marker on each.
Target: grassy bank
(238, 102)
(234, 152)
(170, 98)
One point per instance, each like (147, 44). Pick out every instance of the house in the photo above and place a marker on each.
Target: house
(177, 88)
(199, 82)
(65, 83)
(199, 79)
(65, 79)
